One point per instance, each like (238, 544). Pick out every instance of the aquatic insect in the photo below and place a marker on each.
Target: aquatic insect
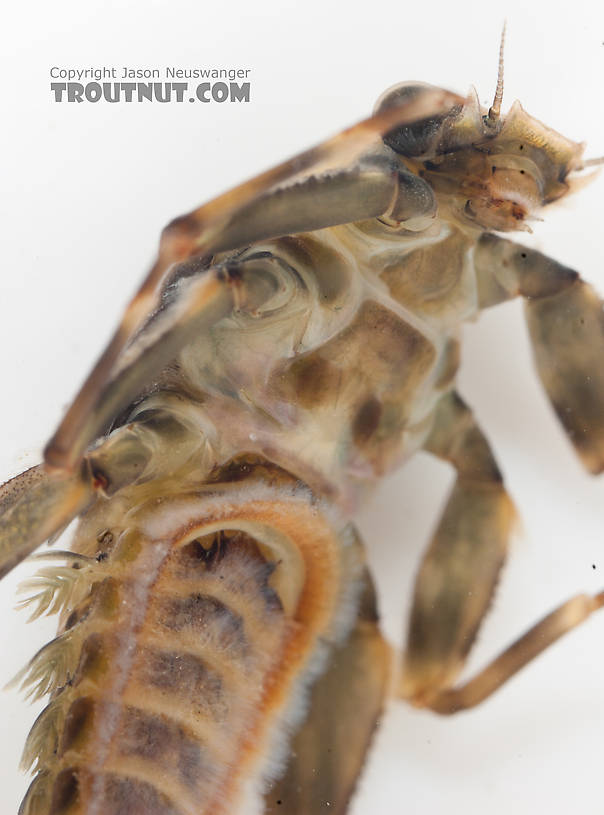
(295, 340)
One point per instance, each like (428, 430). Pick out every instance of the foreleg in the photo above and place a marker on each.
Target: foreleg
(565, 318)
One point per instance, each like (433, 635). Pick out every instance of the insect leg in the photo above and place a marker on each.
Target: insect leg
(459, 573)
(196, 304)
(280, 201)
(457, 578)
(565, 319)
(526, 648)
(35, 505)
(345, 704)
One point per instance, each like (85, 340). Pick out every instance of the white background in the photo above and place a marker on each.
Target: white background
(86, 189)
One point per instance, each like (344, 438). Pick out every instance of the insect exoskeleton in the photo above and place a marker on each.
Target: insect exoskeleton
(191, 628)
(296, 339)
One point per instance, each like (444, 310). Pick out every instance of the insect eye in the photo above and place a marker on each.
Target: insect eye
(411, 140)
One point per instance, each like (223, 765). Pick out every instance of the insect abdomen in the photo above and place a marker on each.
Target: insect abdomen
(183, 659)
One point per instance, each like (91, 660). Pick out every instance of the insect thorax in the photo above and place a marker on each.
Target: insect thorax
(335, 378)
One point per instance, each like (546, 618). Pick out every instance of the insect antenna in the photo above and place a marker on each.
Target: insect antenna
(495, 109)
(591, 162)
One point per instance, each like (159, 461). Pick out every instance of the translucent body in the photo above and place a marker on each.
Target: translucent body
(302, 368)
(337, 376)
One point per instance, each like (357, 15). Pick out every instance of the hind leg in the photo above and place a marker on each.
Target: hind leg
(458, 575)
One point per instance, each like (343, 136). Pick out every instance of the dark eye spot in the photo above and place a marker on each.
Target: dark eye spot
(521, 147)
(523, 255)
(521, 172)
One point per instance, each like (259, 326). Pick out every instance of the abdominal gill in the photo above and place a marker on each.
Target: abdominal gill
(179, 656)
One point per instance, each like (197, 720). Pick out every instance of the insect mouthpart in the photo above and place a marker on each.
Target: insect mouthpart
(494, 192)
(506, 199)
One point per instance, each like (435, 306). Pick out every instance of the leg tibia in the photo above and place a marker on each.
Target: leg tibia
(520, 653)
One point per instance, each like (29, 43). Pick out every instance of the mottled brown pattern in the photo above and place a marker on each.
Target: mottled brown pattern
(366, 421)
(163, 743)
(430, 280)
(129, 796)
(329, 353)
(567, 330)
(331, 272)
(78, 724)
(185, 676)
(206, 615)
(204, 556)
(107, 599)
(378, 352)
(247, 464)
(312, 380)
(94, 660)
(65, 795)
(78, 614)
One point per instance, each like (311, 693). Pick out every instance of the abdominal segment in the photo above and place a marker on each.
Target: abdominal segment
(184, 663)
